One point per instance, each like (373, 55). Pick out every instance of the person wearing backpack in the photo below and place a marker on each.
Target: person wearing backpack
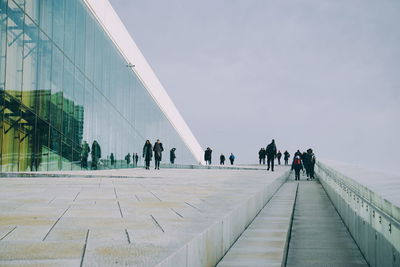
(232, 158)
(271, 153)
(297, 166)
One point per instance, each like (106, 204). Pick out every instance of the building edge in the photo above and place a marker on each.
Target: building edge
(119, 35)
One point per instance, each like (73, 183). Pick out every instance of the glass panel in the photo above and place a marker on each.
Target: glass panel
(31, 8)
(44, 78)
(46, 16)
(58, 23)
(14, 50)
(69, 28)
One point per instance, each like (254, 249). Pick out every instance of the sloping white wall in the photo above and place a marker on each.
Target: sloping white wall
(112, 24)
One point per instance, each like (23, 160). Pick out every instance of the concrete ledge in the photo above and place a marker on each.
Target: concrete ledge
(265, 241)
(208, 247)
(372, 221)
(120, 173)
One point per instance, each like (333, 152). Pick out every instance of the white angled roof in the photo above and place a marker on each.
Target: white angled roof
(113, 25)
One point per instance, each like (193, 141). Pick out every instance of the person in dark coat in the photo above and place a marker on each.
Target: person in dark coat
(261, 155)
(271, 153)
(286, 157)
(85, 154)
(222, 159)
(297, 166)
(298, 153)
(136, 159)
(306, 163)
(112, 160)
(96, 154)
(128, 159)
(231, 158)
(207, 155)
(311, 163)
(278, 156)
(172, 155)
(147, 153)
(158, 149)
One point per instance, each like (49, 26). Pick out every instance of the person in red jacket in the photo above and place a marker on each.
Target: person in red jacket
(297, 166)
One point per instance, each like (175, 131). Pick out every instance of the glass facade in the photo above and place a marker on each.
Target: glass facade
(63, 83)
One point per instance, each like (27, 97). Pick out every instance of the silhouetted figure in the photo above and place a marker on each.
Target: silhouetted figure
(306, 163)
(172, 156)
(279, 155)
(311, 163)
(231, 158)
(84, 155)
(271, 153)
(147, 153)
(128, 159)
(297, 166)
(112, 160)
(207, 156)
(261, 155)
(158, 149)
(96, 154)
(222, 159)
(286, 157)
(298, 153)
(136, 159)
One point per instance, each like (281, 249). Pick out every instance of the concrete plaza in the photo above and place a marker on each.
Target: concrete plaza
(169, 217)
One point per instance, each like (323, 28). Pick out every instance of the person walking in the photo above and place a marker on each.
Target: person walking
(311, 163)
(158, 149)
(231, 158)
(286, 157)
(112, 160)
(271, 153)
(96, 154)
(84, 154)
(297, 166)
(261, 155)
(279, 155)
(222, 159)
(136, 159)
(306, 163)
(207, 155)
(147, 153)
(172, 155)
(128, 159)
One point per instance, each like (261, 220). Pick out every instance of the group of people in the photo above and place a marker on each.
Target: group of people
(148, 151)
(208, 156)
(135, 159)
(301, 161)
(95, 153)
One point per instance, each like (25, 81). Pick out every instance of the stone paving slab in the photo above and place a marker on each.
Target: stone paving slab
(165, 218)
(265, 241)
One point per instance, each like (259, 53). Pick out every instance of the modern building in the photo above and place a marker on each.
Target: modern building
(70, 73)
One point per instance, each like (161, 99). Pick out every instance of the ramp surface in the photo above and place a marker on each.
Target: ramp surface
(319, 237)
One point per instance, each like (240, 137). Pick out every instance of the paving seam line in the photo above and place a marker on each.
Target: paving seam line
(289, 233)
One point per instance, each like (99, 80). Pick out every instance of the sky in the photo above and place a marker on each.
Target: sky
(318, 74)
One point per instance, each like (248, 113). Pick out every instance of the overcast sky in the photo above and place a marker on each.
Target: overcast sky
(323, 74)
